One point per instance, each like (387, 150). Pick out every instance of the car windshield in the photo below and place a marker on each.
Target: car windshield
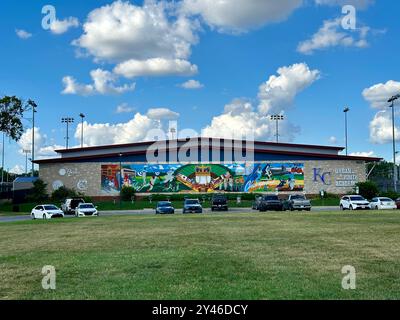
(298, 197)
(192, 201)
(271, 198)
(164, 204)
(86, 206)
(359, 198)
(50, 208)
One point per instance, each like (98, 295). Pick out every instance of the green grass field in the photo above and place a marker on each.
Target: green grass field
(212, 256)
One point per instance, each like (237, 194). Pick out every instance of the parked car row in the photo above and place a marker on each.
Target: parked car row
(297, 202)
(357, 202)
(218, 202)
(77, 207)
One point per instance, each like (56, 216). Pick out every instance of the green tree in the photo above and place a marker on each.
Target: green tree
(11, 113)
(38, 192)
(63, 193)
(127, 193)
(368, 189)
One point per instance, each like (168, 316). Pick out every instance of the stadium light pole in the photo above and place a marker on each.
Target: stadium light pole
(391, 101)
(67, 121)
(120, 180)
(34, 106)
(346, 111)
(82, 117)
(26, 151)
(277, 118)
(2, 161)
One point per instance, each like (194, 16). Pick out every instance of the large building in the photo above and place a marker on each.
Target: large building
(204, 165)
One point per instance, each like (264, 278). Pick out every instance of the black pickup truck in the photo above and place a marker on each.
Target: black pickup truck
(219, 202)
(270, 202)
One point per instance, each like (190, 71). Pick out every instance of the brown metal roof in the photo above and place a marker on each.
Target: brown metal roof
(145, 143)
(141, 152)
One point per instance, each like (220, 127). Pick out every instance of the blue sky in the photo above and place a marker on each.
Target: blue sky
(235, 50)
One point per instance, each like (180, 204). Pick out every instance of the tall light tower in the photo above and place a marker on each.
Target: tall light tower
(346, 111)
(391, 101)
(26, 151)
(34, 106)
(82, 117)
(67, 121)
(277, 118)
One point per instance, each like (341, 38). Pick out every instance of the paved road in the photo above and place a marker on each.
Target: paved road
(151, 211)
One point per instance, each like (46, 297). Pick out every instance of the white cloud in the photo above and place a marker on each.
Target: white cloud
(122, 31)
(22, 34)
(62, 26)
(139, 128)
(42, 148)
(155, 67)
(331, 34)
(162, 114)
(124, 108)
(378, 95)
(191, 85)
(333, 140)
(360, 4)
(103, 83)
(18, 170)
(240, 15)
(239, 120)
(278, 93)
(363, 154)
(381, 129)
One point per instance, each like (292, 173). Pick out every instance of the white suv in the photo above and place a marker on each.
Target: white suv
(354, 203)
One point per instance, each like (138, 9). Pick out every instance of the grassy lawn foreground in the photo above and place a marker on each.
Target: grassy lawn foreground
(222, 256)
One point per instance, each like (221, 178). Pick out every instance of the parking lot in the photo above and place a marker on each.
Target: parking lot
(24, 217)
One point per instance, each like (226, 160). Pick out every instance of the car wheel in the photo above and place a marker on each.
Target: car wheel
(33, 216)
(351, 208)
(341, 207)
(44, 217)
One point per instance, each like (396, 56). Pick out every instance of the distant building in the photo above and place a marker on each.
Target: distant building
(190, 166)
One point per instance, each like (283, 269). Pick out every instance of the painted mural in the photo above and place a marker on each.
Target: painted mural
(160, 178)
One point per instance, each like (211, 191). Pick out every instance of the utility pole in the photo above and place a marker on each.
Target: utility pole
(391, 101)
(34, 106)
(67, 121)
(346, 110)
(277, 118)
(82, 117)
(2, 161)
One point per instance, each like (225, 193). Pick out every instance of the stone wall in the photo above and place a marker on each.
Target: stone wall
(337, 177)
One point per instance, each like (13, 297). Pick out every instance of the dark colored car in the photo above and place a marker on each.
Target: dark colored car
(270, 202)
(192, 206)
(165, 207)
(398, 203)
(219, 202)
